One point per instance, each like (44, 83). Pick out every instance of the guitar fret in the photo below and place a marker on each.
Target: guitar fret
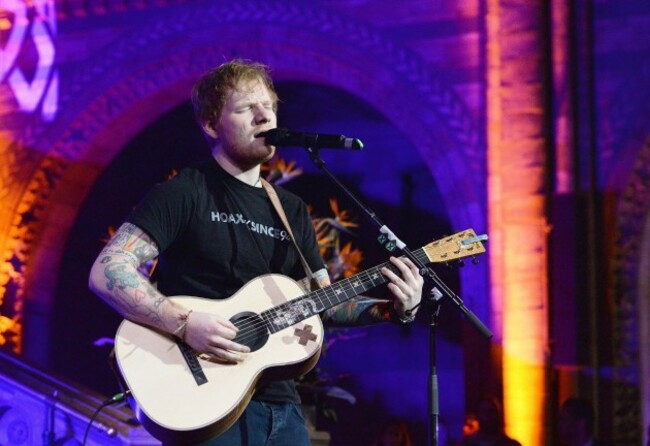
(332, 294)
(330, 302)
(376, 277)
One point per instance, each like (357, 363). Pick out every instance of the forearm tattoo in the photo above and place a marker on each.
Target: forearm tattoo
(359, 311)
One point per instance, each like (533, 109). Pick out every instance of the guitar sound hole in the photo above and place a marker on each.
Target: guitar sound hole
(252, 330)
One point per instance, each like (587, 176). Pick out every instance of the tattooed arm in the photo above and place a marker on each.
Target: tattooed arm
(115, 278)
(360, 310)
(406, 289)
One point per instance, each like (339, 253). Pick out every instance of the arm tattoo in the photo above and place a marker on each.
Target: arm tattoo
(132, 293)
(133, 242)
(118, 276)
(126, 288)
(359, 311)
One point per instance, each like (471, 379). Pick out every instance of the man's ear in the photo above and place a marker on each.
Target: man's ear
(208, 128)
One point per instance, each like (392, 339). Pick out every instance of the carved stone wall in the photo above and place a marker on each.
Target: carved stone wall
(149, 68)
(631, 221)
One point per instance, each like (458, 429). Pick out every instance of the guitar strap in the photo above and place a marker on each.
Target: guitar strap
(273, 195)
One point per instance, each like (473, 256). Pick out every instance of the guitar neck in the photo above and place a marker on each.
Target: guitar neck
(294, 311)
(457, 246)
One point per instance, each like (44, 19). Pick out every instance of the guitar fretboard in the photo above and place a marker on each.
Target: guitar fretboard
(294, 311)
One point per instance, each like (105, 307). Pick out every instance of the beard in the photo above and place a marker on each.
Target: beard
(249, 156)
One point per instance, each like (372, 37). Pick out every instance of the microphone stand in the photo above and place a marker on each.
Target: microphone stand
(434, 406)
(439, 289)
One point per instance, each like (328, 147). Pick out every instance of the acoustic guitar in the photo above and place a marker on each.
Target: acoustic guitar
(182, 397)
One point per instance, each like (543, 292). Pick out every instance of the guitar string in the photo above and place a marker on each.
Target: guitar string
(248, 329)
(245, 329)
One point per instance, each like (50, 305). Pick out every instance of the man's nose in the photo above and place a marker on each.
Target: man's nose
(262, 114)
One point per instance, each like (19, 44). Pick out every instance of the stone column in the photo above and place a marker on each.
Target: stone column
(518, 145)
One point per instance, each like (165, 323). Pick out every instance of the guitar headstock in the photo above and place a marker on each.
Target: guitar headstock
(457, 246)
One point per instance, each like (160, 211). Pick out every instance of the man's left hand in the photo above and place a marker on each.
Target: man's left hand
(407, 289)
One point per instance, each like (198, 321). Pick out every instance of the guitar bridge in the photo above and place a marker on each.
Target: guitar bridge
(192, 362)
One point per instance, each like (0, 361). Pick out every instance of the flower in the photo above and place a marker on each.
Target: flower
(279, 171)
(344, 262)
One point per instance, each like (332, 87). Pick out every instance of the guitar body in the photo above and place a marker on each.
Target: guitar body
(181, 399)
(175, 406)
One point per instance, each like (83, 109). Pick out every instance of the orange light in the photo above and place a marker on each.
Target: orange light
(10, 324)
(518, 230)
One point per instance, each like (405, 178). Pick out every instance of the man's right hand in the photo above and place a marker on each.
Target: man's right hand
(212, 334)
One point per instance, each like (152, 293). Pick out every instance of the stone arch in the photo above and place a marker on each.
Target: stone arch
(631, 295)
(625, 157)
(151, 70)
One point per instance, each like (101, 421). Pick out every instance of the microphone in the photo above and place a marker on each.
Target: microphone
(284, 138)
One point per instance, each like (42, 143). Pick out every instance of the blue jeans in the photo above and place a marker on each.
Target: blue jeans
(266, 424)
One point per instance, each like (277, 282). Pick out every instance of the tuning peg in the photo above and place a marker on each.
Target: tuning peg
(475, 260)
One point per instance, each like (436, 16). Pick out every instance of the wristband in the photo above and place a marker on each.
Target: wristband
(403, 320)
(182, 328)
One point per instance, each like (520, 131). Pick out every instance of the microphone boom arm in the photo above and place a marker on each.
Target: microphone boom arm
(390, 242)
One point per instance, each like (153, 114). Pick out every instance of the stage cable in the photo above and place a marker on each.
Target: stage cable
(117, 398)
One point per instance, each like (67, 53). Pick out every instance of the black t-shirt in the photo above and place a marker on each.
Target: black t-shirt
(216, 233)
